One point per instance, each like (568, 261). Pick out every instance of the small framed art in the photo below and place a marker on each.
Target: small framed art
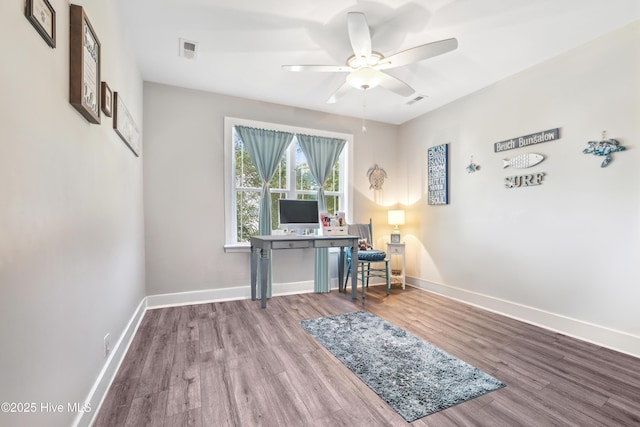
(124, 125)
(43, 18)
(106, 99)
(84, 66)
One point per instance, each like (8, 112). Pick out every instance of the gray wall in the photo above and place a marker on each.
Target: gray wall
(71, 232)
(570, 247)
(184, 186)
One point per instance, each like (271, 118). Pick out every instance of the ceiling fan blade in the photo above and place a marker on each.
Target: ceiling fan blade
(319, 68)
(338, 93)
(395, 85)
(359, 34)
(418, 53)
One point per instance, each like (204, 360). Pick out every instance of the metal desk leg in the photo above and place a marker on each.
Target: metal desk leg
(264, 281)
(253, 259)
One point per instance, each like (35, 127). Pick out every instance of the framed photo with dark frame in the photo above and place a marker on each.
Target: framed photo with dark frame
(84, 66)
(124, 125)
(43, 17)
(106, 99)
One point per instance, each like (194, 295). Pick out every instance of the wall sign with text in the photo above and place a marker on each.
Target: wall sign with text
(527, 140)
(438, 170)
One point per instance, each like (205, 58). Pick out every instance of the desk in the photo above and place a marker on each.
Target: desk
(262, 245)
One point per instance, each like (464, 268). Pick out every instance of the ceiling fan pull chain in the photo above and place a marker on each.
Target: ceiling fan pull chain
(364, 120)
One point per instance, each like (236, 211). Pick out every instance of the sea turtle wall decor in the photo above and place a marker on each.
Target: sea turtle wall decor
(376, 176)
(604, 148)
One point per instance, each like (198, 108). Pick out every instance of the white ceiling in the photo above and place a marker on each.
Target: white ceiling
(243, 43)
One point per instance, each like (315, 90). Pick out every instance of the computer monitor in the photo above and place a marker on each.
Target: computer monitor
(298, 214)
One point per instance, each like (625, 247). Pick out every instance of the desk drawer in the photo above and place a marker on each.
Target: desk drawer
(291, 244)
(332, 243)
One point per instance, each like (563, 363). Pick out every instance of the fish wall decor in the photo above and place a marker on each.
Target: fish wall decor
(523, 161)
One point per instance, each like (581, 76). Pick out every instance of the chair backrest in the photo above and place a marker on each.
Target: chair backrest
(364, 231)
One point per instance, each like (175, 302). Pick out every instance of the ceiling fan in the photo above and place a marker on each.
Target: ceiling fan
(365, 66)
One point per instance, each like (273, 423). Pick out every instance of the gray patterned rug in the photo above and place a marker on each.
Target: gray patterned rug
(414, 377)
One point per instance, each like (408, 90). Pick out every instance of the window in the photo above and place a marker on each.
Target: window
(292, 180)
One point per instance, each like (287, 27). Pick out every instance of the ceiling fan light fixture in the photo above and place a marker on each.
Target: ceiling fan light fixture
(364, 61)
(364, 78)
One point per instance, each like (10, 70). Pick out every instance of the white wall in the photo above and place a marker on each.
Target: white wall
(565, 254)
(184, 191)
(71, 232)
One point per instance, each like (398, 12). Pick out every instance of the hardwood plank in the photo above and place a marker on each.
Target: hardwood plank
(147, 410)
(184, 387)
(156, 373)
(188, 324)
(191, 418)
(218, 404)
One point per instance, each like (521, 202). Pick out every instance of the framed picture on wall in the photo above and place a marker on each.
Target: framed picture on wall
(84, 66)
(438, 170)
(43, 17)
(106, 98)
(124, 125)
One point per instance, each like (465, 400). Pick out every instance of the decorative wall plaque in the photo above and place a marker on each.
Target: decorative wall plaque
(525, 141)
(106, 100)
(43, 18)
(523, 180)
(124, 125)
(84, 66)
(438, 170)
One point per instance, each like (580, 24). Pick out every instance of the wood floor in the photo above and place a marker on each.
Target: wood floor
(234, 364)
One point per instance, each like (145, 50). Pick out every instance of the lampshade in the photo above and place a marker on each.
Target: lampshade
(396, 217)
(364, 78)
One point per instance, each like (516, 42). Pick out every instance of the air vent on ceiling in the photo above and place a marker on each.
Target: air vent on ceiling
(188, 49)
(416, 99)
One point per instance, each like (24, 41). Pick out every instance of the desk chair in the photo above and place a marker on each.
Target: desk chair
(367, 256)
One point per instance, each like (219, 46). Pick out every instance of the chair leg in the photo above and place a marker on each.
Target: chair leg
(368, 272)
(387, 277)
(362, 265)
(346, 280)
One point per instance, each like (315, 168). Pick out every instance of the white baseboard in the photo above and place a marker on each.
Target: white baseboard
(224, 294)
(595, 334)
(105, 378)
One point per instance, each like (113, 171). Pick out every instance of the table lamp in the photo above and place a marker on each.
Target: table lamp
(396, 217)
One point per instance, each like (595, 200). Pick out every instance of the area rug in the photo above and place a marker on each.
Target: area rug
(414, 377)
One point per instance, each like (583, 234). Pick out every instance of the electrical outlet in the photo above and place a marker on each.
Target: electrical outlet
(107, 345)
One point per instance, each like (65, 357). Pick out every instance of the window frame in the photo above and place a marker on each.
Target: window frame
(346, 157)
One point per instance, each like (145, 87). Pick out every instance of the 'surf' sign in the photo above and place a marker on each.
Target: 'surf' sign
(438, 168)
(523, 180)
(524, 141)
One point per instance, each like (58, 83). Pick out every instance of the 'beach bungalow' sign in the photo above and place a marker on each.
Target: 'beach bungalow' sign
(525, 141)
